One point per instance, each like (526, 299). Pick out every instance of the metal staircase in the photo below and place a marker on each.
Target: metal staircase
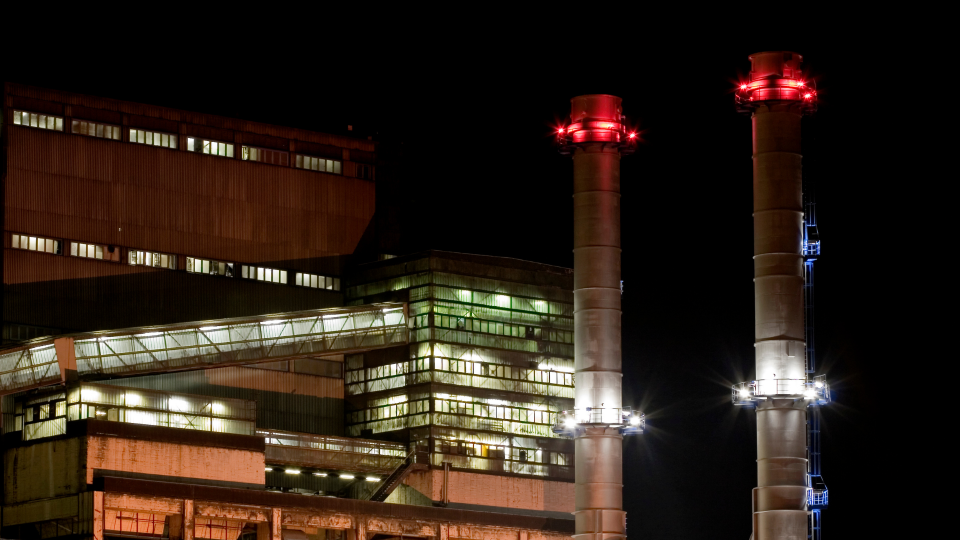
(415, 461)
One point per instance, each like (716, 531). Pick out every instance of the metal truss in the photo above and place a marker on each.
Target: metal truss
(201, 345)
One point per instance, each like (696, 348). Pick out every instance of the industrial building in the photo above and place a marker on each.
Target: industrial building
(194, 347)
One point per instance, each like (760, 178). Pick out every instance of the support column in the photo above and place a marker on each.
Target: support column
(276, 525)
(98, 515)
(188, 521)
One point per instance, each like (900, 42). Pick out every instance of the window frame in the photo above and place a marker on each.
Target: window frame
(16, 241)
(153, 134)
(299, 159)
(100, 127)
(18, 120)
(143, 253)
(246, 150)
(208, 143)
(230, 268)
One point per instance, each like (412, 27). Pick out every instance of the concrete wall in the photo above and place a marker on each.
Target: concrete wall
(497, 491)
(43, 470)
(170, 459)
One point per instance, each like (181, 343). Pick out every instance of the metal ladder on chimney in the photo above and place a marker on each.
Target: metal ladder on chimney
(817, 500)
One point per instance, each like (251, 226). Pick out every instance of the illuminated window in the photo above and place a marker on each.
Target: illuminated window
(318, 282)
(265, 155)
(214, 148)
(138, 257)
(35, 243)
(206, 266)
(95, 129)
(89, 251)
(37, 120)
(153, 138)
(271, 275)
(318, 164)
(364, 171)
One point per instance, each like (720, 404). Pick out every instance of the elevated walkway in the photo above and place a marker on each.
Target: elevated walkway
(199, 345)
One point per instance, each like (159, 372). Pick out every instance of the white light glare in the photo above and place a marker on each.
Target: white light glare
(372, 479)
(268, 469)
(811, 394)
(178, 405)
(292, 471)
(569, 423)
(818, 384)
(271, 323)
(634, 420)
(150, 334)
(320, 474)
(211, 328)
(346, 476)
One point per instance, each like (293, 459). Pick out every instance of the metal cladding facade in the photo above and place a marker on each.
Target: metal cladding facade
(82, 180)
(595, 138)
(777, 98)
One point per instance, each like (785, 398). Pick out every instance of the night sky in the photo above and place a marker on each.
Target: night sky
(471, 116)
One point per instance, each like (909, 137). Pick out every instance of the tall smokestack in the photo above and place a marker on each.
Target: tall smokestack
(777, 96)
(596, 138)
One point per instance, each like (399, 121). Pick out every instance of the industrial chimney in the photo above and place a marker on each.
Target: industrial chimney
(596, 138)
(777, 96)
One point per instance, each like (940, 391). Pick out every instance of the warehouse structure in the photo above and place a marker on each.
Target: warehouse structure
(192, 349)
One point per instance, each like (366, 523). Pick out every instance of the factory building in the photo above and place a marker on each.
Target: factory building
(193, 349)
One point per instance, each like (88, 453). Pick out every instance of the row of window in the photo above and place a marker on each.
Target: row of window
(516, 414)
(205, 146)
(493, 327)
(137, 257)
(265, 155)
(94, 129)
(153, 138)
(42, 121)
(318, 164)
(483, 369)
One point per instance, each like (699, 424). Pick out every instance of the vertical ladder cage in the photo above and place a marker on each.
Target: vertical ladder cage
(811, 250)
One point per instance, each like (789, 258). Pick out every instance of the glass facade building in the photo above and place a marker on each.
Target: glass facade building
(488, 368)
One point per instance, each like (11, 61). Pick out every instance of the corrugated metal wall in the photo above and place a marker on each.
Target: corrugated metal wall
(62, 185)
(286, 401)
(73, 187)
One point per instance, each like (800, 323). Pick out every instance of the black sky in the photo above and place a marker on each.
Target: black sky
(473, 111)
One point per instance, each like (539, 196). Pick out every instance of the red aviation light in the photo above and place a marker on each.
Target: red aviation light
(632, 135)
(560, 130)
(808, 95)
(743, 87)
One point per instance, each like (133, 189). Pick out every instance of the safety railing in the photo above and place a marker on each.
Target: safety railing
(460, 461)
(817, 497)
(751, 94)
(626, 420)
(749, 393)
(204, 344)
(331, 452)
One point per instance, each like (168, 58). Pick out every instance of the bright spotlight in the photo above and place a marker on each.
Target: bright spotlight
(743, 87)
